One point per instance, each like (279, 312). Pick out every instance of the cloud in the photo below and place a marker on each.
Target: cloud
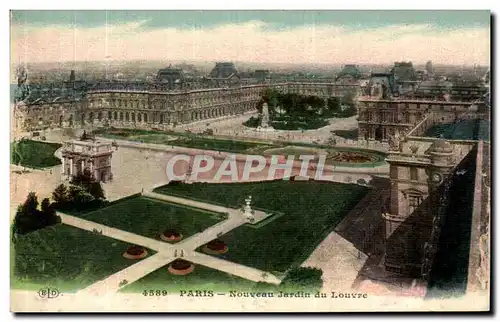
(253, 41)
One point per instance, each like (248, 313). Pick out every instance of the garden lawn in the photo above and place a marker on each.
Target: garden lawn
(215, 144)
(181, 139)
(65, 258)
(202, 278)
(150, 217)
(34, 154)
(311, 211)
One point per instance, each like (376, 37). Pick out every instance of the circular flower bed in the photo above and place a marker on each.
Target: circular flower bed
(180, 267)
(171, 236)
(216, 246)
(135, 252)
(352, 157)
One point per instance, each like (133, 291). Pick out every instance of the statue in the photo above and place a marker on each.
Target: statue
(395, 142)
(264, 123)
(248, 213)
(385, 91)
(22, 90)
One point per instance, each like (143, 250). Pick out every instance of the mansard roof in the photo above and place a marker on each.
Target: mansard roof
(350, 69)
(223, 70)
(404, 71)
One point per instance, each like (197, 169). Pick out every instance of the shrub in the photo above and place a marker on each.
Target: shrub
(29, 218)
(309, 278)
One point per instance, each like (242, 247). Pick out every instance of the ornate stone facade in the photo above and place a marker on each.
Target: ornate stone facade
(150, 107)
(88, 154)
(378, 118)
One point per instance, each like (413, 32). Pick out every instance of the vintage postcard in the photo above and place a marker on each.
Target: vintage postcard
(250, 161)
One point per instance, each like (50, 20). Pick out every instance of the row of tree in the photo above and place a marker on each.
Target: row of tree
(83, 193)
(295, 106)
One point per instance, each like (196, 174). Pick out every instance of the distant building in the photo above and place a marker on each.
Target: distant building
(429, 68)
(170, 76)
(405, 77)
(349, 74)
(261, 74)
(433, 90)
(72, 77)
(78, 155)
(223, 70)
(384, 77)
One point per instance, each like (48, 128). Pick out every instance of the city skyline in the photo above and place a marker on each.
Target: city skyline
(287, 37)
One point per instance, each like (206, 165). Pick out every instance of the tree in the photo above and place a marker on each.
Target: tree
(96, 190)
(348, 99)
(83, 179)
(28, 218)
(30, 205)
(88, 183)
(45, 205)
(60, 194)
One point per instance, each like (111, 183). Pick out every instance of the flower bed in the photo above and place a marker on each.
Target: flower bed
(171, 236)
(135, 252)
(216, 246)
(351, 157)
(180, 267)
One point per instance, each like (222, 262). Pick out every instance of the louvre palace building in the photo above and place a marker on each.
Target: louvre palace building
(172, 98)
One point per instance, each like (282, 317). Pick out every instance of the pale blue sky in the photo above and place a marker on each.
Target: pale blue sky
(452, 37)
(276, 19)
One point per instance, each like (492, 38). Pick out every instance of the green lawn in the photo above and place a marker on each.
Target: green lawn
(233, 146)
(150, 217)
(65, 258)
(34, 154)
(287, 123)
(202, 278)
(180, 139)
(215, 144)
(311, 211)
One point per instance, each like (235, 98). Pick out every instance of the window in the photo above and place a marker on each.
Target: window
(413, 203)
(413, 174)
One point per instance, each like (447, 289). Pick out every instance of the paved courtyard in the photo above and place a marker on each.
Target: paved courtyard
(234, 127)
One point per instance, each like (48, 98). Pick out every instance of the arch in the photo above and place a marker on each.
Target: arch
(91, 116)
(121, 116)
(161, 118)
(110, 115)
(70, 120)
(99, 116)
(133, 116)
(82, 118)
(115, 116)
(145, 117)
(127, 116)
(139, 117)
